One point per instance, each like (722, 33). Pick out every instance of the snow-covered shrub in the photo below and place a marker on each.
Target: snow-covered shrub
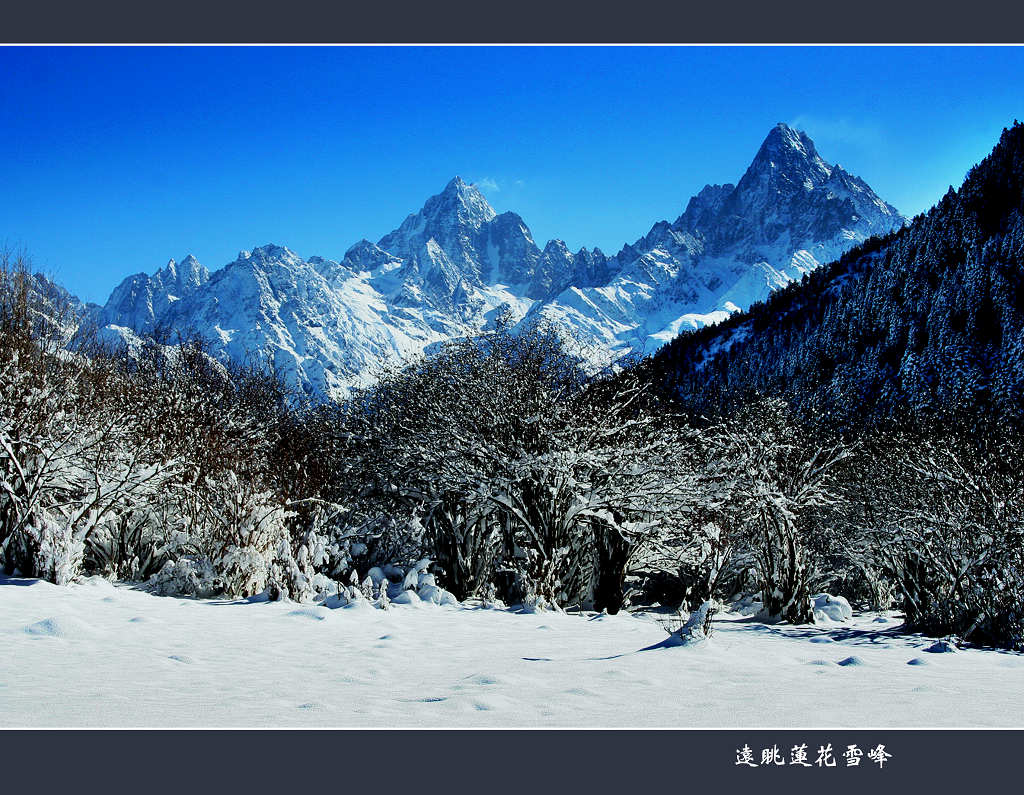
(57, 549)
(706, 561)
(186, 576)
(952, 536)
(383, 601)
(749, 604)
(523, 473)
(244, 534)
(70, 454)
(132, 545)
(435, 595)
(935, 527)
(242, 570)
(119, 462)
(779, 479)
(534, 602)
(418, 575)
(244, 549)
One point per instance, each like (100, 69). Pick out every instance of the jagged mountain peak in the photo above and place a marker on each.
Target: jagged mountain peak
(458, 206)
(790, 208)
(463, 200)
(455, 236)
(364, 250)
(787, 159)
(510, 222)
(710, 195)
(556, 246)
(782, 136)
(189, 272)
(139, 300)
(269, 253)
(892, 335)
(733, 245)
(509, 217)
(167, 275)
(457, 186)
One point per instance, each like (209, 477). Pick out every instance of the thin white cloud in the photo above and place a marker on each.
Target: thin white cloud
(849, 131)
(487, 184)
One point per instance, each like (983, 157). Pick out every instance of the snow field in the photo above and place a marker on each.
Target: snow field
(98, 654)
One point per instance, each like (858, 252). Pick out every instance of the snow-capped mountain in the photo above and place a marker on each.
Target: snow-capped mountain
(790, 212)
(453, 267)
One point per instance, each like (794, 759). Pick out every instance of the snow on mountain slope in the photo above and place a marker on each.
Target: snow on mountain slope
(453, 267)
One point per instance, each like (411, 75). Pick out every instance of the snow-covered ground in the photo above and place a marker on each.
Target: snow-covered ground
(97, 654)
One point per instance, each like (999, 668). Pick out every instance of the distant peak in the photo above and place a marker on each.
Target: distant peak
(459, 191)
(362, 246)
(458, 203)
(703, 208)
(271, 249)
(191, 271)
(714, 190)
(784, 137)
(168, 271)
(458, 188)
(268, 253)
(509, 217)
(556, 246)
(788, 155)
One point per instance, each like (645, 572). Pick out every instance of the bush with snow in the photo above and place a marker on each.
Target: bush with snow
(186, 576)
(950, 537)
(523, 474)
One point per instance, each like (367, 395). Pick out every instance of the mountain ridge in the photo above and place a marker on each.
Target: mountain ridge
(455, 265)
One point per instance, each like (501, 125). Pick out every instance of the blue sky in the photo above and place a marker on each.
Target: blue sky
(116, 159)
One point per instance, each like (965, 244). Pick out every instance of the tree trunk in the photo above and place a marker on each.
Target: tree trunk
(785, 592)
(612, 554)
